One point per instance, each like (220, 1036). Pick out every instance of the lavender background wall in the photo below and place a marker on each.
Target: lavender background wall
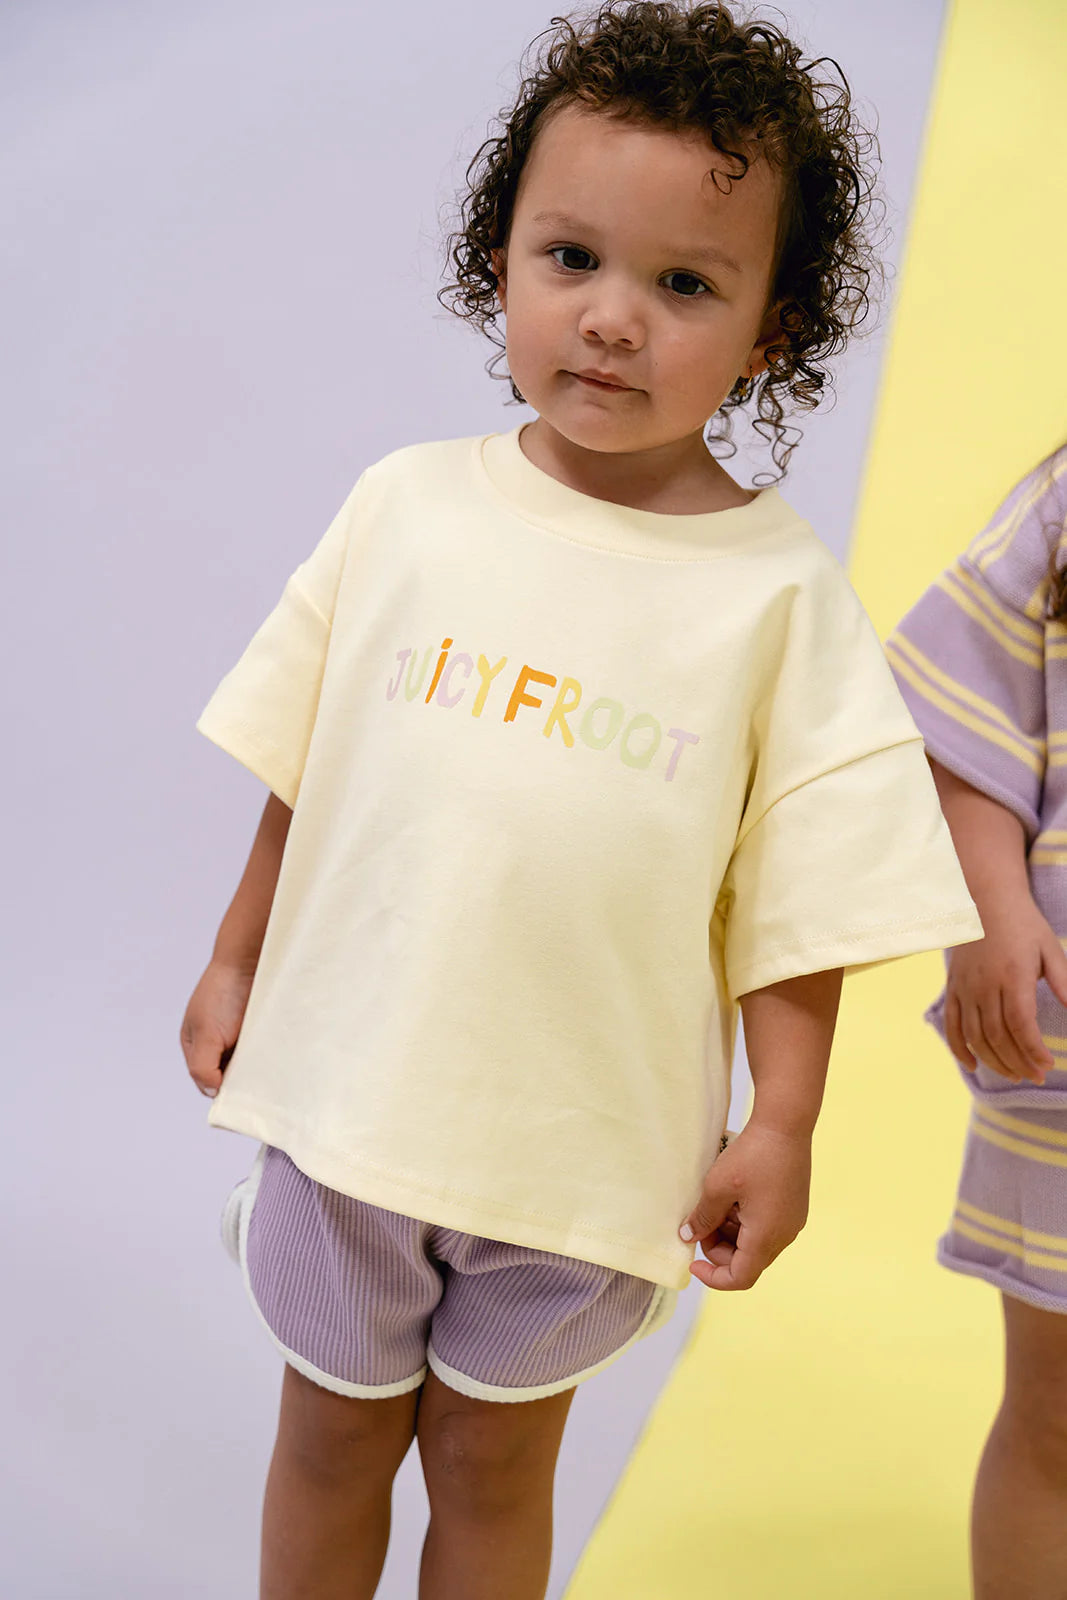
(220, 257)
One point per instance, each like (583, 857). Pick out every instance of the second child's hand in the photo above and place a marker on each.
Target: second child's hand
(754, 1203)
(991, 995)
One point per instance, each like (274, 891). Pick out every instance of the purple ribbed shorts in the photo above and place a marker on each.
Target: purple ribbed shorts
(363, 1301)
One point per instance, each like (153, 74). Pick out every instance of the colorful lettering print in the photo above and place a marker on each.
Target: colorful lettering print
(604, 723)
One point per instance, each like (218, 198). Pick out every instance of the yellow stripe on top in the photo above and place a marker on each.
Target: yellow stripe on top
(899, 644)
(1030, 633)
(1008, 742)
(1050, 846)
(1028, 654)
(1036, 605)
(991, 545)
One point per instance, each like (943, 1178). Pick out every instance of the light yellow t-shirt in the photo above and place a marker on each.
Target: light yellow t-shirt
(568, 779)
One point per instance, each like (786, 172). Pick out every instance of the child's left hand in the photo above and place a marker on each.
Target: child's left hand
(755, 1202)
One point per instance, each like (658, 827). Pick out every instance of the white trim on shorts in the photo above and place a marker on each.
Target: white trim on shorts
(243, 1198)
(355, 1391)
(662, 1304)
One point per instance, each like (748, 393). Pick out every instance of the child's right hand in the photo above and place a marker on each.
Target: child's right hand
(991, 997)
(212, 1022)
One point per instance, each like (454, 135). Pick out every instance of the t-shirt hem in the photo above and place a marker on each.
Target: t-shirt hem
(483, 1218)
(857, 948)
(238, 742)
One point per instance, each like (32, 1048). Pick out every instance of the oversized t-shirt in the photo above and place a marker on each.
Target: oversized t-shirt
(568, 779)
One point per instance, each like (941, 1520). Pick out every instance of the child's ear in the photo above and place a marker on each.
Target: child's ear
(499, 258)
(770, 334)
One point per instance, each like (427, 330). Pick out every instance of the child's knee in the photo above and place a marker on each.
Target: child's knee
(333, 1437)
(465, 1464)
(490, 1460)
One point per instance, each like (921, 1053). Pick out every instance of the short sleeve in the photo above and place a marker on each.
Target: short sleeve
(970, 655)
(843, 857)
(263, 711)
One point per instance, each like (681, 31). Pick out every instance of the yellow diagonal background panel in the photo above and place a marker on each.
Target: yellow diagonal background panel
(819, 1434)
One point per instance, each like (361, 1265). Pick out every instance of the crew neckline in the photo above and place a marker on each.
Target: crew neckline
(535, 495)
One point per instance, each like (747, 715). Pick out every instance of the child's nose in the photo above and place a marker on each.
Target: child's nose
(614, 318)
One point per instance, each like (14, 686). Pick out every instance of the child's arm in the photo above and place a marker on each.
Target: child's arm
(991, 996)
(216, 1010)
(755, 1198)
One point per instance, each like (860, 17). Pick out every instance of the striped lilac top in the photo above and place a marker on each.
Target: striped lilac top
(984, 674)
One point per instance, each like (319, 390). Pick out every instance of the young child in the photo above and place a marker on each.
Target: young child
(982, 661)
(574, 745)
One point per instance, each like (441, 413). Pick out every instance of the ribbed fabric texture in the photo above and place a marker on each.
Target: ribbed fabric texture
(360, 1292)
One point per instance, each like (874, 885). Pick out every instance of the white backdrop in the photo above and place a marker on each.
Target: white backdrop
(220, 256)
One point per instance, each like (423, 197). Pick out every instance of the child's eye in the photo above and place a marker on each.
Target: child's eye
(693, 288)
(689, 293)
(572, 250)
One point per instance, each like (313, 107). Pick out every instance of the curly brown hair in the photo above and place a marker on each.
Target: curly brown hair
(745, 87)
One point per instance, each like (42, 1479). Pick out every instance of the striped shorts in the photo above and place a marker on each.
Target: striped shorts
(364, 1301)
(1010, 1223)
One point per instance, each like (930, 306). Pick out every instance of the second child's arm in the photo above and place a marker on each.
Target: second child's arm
(991, 995)
(755, 1198)
(216, 1009)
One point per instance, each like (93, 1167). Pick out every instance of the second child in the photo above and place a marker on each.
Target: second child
(982, 661)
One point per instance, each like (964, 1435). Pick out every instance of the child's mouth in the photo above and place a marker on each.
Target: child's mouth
(596, 383)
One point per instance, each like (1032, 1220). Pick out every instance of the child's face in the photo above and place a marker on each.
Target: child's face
(645, 270)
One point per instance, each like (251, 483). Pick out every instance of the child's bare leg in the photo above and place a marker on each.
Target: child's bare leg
(489, 1471)
(1019, 1524)
(327, 1505)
